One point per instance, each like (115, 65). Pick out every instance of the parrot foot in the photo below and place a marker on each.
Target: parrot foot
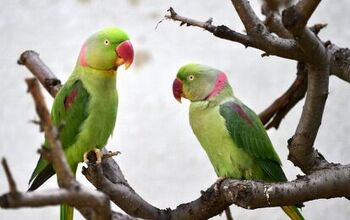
(97, 156)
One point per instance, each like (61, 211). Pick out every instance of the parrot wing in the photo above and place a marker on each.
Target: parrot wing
(249, 134)
(69, 111)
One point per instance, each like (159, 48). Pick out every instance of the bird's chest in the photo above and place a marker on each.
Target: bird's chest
(210, 129)
(101, 120)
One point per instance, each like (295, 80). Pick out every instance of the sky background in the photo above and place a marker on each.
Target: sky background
(161, 157)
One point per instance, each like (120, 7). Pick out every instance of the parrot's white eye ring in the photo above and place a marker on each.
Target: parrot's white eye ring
(190, 77)
(106, 42)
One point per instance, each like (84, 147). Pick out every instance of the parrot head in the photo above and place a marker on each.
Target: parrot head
(197, 82)
(107, 50)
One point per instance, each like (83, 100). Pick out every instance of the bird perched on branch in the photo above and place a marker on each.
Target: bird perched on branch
(231, 133)
(86, 106)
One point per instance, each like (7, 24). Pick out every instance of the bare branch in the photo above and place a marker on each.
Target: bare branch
(307, 8)
(11, 181)
(340, 62)
(64, 174)
(109, 179)
(247, 15)
(328, 183)
(32, 61)
(78, 197)
(262, 39)
(228, 213)
(301, 151)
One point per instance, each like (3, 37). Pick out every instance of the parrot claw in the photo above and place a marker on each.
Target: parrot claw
(99, 156)
(85, 158)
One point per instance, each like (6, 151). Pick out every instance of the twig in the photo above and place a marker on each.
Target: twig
(228, 213)
(11, 181)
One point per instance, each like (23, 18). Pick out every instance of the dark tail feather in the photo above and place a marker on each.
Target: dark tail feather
(42, 177)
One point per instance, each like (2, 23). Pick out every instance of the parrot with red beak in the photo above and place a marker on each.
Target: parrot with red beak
(86, 105)
(231, 134)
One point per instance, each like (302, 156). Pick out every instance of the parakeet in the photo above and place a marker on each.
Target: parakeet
(231, 133)
(86, 106)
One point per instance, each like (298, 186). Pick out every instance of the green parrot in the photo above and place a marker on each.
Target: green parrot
(231, 133)
(86, 106)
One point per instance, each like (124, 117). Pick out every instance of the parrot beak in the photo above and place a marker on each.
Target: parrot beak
(177, 90)
(125, 54)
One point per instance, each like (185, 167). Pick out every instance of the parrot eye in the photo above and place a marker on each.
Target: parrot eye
(106, 42)
(190, 77)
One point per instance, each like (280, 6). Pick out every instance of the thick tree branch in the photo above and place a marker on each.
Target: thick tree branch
(271, 10)
(301, 151)
(79, 197)
(328, 183)
(247, 15)
(340, 62)
(109, 179)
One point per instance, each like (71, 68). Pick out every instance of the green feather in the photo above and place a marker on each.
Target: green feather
(249, 134)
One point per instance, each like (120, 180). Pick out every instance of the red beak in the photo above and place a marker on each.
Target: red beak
(177, 89)
(125, 53)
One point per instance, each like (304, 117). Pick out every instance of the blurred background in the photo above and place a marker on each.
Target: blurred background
(161, 157)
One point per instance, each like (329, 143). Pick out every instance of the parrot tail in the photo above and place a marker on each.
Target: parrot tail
(66, 212)
(293, 212)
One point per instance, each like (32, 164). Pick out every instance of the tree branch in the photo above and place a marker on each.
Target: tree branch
(10, 179)
(79, 197)
(31, 59)
(65, 176)
(301, 151)
(262, 40)
(328, 183)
